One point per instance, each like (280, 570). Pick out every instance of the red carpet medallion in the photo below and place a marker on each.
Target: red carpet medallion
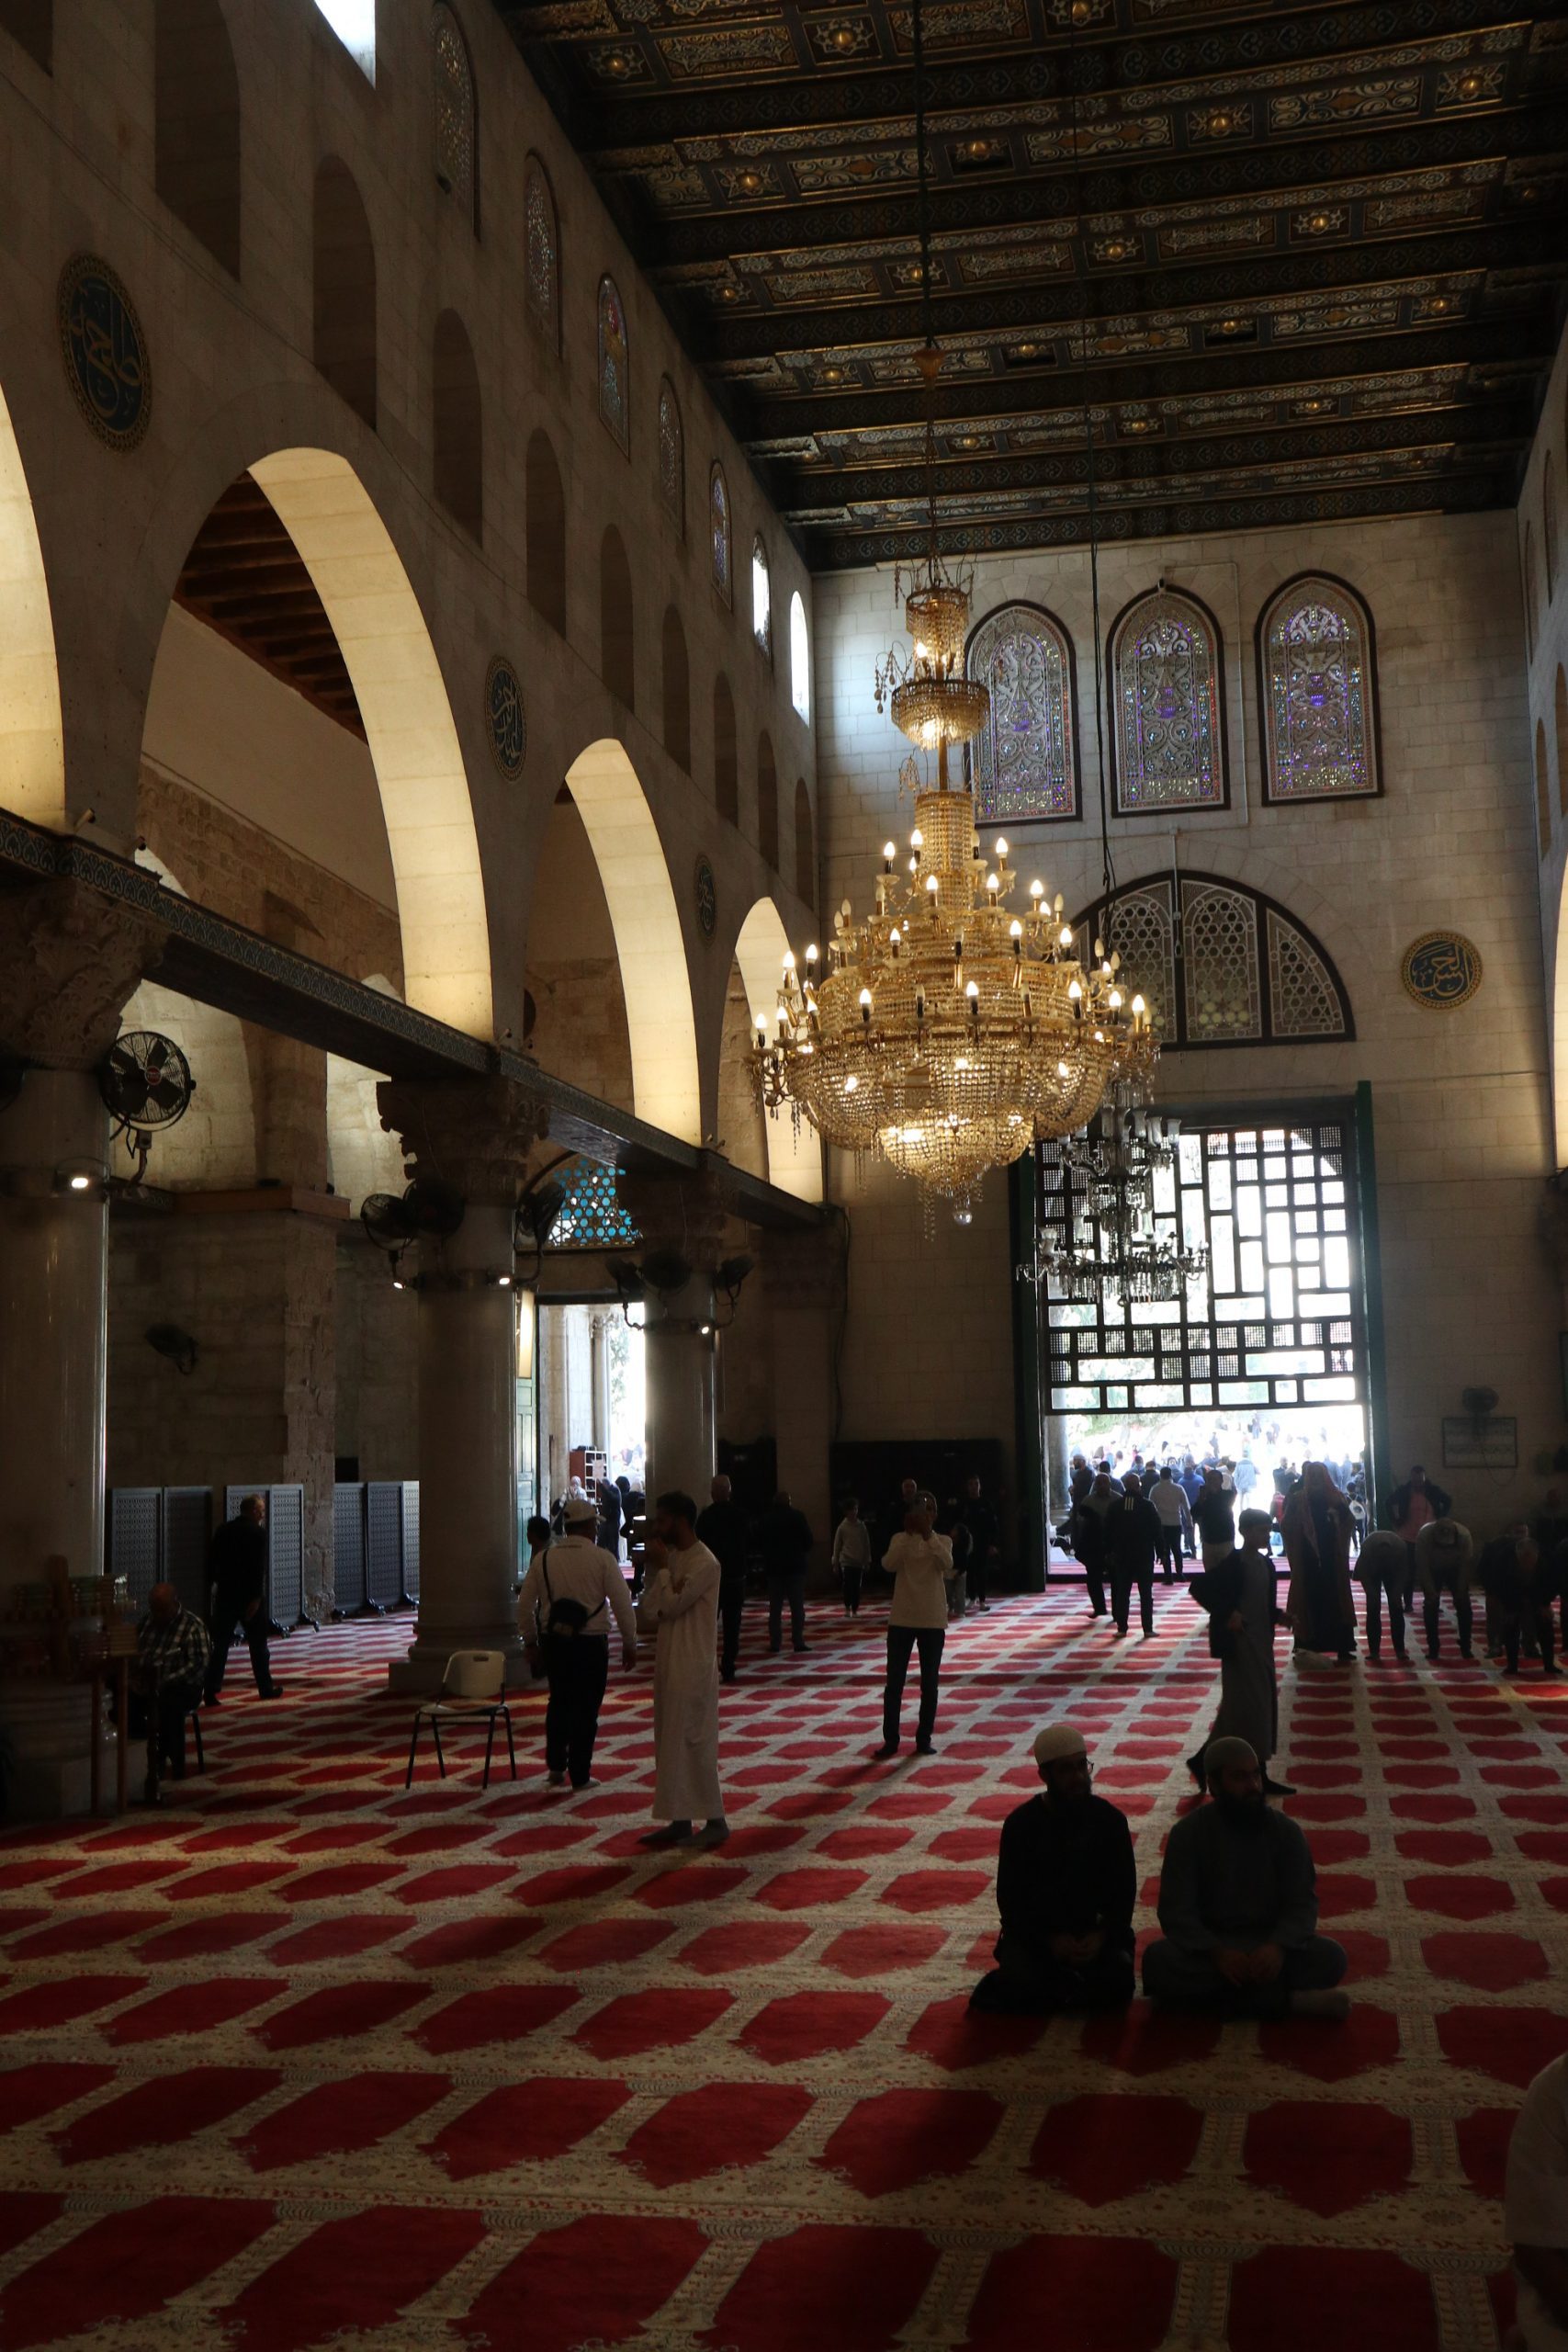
(306, 2058)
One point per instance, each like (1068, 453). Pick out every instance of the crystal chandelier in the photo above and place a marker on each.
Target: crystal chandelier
(1117, 1243)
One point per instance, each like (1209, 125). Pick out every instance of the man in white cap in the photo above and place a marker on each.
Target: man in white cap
(1065, 1888)
(1238, 1905)
(570, 1594)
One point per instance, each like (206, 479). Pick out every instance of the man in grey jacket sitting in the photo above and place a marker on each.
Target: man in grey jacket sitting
(1238, 1906)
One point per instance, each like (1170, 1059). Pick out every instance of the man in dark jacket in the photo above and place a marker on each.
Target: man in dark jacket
(1085, 1532)
(786, 1541)
(1238, 1905)
(1132, 1539)
(1065, 1889)
(1521, 1584)
(722, 1527)
(610, 1518)
(236, 1573)
(985, 1541)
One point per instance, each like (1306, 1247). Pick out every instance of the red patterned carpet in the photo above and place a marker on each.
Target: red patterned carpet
(306, 2058)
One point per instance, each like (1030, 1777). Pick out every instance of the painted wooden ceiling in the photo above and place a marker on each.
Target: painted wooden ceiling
(1286, 264)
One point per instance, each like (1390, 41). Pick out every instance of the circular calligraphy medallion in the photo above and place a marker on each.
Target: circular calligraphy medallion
(105, 352)
(707, 896)
(505, 718)
(1442, 969)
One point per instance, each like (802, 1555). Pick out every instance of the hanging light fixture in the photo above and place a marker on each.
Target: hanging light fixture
(1118, 1241)
(952, 1028)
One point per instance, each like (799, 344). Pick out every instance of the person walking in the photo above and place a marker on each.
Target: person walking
(572, 1589)
(680, 1605)
(1067, 1887)
(1087, 1532)
(1175, 1522)
(1240, 1598)
(921, 1566)
(1317, 1547)
(786, 1541)
(1239, 1906)
(1445, 1555)
(1382, 1565)
(237, 1575)
(1132, 1539)
(1214, 1516)
(721, 1525)
(610, 1518)
(985, 1541)
(851, 1554)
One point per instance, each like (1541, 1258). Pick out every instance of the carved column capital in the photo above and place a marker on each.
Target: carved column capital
(69, 960)
(475, 1134)
(804, 1267)
(693, 1214)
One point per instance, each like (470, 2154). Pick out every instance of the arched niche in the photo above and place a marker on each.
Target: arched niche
(458, 425)
(617, 626)
(197, 124)
(343, 288)
(676, 673)
(544, 532)
(794, 1155)
(726, 752)
(32, 749)
(648, 940)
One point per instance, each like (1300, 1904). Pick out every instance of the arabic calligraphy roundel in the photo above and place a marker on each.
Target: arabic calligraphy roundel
(506, 717)
(1442, 968)
(105, 352)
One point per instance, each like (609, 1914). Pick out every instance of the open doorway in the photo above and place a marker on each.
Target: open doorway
(585, 1411)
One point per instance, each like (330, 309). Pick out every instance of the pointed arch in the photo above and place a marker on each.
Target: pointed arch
(805, 845)
(397, 684)
(726, 754)
(197, 124)
(458, 435)
(671, 457)
(767, 800)
(343, 288)
(762, 597)
(720, 536)
(32, 743)
(542, 259)
(794, 1152)
(454, 112)
(676, 671)
(1250, 973)
(799, 660)
(1025, 762)
(1317, 692)
(544, 532)
(617, 639)
(648, 940)
(614, 364)
(1165, 670)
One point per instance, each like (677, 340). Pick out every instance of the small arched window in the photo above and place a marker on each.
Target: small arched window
(767, 800)
(725, 754)
(1530, 616)
(1025, 758)
(677, 681)
(614, 371)
(1549, 526)
(762, 598)
(1167, 705)
(343, 288)
(455, 129)
(353, 21)
(1317, 690)
(718, 532)
(544, 532)
(617, 664)
(196, 130)
(459, 425)
(542, 227)
(804, 844)
(799, 660)
(671, 455)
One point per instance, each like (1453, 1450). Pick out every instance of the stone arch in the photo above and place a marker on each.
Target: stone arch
(794, 1153)
(1542, 791)
(805, 845)
(677, 677)
(1560, 723)
(197, 124)
(343, 288)
(545, 533)
(458, 420)
(617, 624)
(386, 649)
(649, 939)
(726, 752)
(767, 800)
(32, 746)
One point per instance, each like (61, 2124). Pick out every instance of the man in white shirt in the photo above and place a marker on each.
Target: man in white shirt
(680, 1604)
(1176, 1523)
(1535, 2209)
(921, 1564)
(570, 1594)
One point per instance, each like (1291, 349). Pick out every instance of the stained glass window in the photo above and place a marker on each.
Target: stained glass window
(762, 599)
(799, 658)
(1318, 693)
(543, 249)
(1025, 761)
(1166, 690)
(1220, 958)
(591, 1215)
(453, 90)
(614, 369)
(1236, 967)
(718, 529)
(671, 455)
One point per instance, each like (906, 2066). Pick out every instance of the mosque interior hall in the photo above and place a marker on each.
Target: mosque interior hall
(784, 838)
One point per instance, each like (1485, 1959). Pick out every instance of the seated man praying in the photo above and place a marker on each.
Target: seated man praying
(1065, 1888)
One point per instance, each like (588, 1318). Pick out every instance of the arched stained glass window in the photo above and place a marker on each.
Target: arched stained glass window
(671, 455)
(718, 532)
(1025, 761)
(799, 660)
(543, 232)
(453, 97)
(615, 364)
(1318, 693)
(1166, 701)
(1247, 973)
(762, 598)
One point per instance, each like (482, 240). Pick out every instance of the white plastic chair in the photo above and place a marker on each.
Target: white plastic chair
(473, 1685)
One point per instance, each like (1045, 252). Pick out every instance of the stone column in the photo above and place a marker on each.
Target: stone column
(803, 1274)
(599, 1346)
(689, 1216)
(474, 1135)
(68, 963)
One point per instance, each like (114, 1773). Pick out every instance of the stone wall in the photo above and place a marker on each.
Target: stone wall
(1460, 1097)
